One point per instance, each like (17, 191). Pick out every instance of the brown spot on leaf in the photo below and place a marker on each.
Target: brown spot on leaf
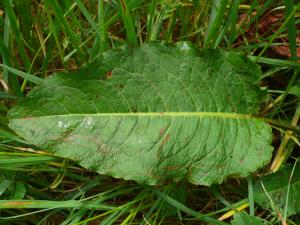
(104, 149)
(166, 139)
(27, 118)
(161, 131)
(173, 167)
(109, 74)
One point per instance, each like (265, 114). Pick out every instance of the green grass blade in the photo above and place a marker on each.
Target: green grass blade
(233, 21)
(288, 190)
(214, 189)
(75, 216)
(101, 20)
(128, 23)
(96, 49)
(113, 217)
(186, 209)
(150, 19)
(10, 79)
(7, 95)
(6, 136)
(75, 41)
(172, 24)
(216, 18)
(133, 4)
(273, 61)
(14, 26)
(74, 20)
(26, 76)
(44, 204)
(157, 17)
(22, 161)
(250, 195)
(291, 27)
(87, 15)
(5, 54)
(55, 31)
(230, 25)
(100, 45)
(5, 57)
(157, 24)
(289, 86)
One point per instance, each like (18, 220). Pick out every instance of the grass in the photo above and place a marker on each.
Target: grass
(38, 38)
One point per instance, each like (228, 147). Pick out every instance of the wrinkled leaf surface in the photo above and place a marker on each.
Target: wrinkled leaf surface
(153, 114)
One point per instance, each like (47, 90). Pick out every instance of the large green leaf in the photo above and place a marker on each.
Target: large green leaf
(153, 114)
(282, 190)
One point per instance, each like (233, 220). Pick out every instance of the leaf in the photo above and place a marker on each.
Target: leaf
(153, 114)
(280, 190)
(244, 218)
(19, 191)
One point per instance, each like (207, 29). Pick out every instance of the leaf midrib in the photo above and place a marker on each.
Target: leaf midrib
(154, 114)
